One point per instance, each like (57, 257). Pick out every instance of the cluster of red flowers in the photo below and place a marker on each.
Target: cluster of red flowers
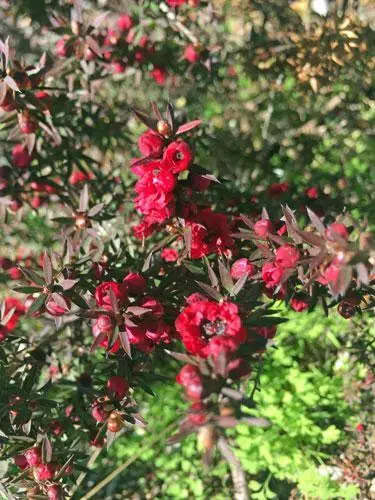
(165, 156)
(127, 306)
(43, 472)
(120, 47)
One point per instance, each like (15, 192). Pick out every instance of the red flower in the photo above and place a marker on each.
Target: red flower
(135, 284)
(143, 230)
(191, 54)
(44, 472)
(268, 332)
(330, 274)
(11, 303)
(175, 3)
(151, 144)
(271, 274)
(155, 307)
(99, 411)
(102, 297)
(312, 193)
(277, 189)
(208, 328)
(191, 380)
(55, 492)
(124, 22)
(199, 182)
(21, 461)
(78, 177)
(33, 456)
(103, 324)
(197, 414)
(155, 198)
(63, 48)
(26, 123)
(263, 228)
(58, 308)
(240, 268)
(177, 157)
(299, 305)
(169, 254)
(211, 233)
(159, 75)
(118, 67)
(117, 387)
(286, 256)
(337, 229)
(20, 156)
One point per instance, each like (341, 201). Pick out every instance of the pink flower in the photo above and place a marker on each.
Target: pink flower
(44, 472)
(102, 296)
(286, 256)
(117, 387)
(241, 267)
(191, 380)
(33, 456)
(159, 75)
(151, 144)
(135, 284)
(175, 3)
(277, 189)
(337, 229)
(271, 274)
(263, 228)
(299, 305)
(177, 157)
(169, 254)
(312, 193)
(20, 156)
(58, 308)
(191, 54)
(124, 22)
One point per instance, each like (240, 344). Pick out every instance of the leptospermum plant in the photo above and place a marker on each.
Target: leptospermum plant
(207, 293)
(183, 279)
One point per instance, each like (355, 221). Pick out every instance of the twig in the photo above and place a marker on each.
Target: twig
(130, 460)
(238, 474)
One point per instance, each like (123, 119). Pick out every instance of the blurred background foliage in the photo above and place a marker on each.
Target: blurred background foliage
(289, 98)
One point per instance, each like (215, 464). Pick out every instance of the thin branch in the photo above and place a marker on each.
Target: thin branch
(238, 474)
(130, 460)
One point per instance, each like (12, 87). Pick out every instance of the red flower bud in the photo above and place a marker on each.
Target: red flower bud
(55, 492)
(117, 387)
(135, 284)
(240, 268)
(151, 144)
(286, 256)
(34, 456)
(20, 156)
(124, 22)
(337, 229)
(263, 228)
(169, 254)
(44, 472)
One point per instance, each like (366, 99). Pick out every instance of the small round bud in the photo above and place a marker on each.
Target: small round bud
(164, 128)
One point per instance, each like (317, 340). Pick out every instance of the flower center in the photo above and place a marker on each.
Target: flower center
(213, 328)
(179, 156)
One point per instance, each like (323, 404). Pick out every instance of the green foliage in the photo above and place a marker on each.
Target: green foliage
(302, 394)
